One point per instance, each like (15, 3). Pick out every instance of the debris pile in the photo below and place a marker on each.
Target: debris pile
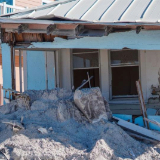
(55, 128)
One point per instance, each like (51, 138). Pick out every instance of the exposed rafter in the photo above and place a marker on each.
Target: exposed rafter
(108, 30)
(138, 29)
(51, 28)
(79, 30)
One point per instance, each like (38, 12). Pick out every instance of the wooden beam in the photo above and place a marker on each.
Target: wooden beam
(142, 104)
(137, 129)
(79, 30)
(38, 27)
(66, 26)
(22, 28)
(9, 26)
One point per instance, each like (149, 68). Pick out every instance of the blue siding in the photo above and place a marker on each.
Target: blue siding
(10, 2)
(6, 64)
(36, 78)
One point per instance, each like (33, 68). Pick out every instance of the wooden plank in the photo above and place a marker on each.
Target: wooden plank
(141, 137)
(66, 26)
(141, 100)
(125, 106)
(127, 112)
(138, 129)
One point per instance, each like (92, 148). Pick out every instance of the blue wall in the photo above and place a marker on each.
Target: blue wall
(36, 78)
(6, 65)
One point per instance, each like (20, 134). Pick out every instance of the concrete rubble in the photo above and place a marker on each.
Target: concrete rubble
(54, 128)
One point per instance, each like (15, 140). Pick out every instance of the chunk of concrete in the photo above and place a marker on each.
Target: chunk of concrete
(39, 105)
(91, 103)
(43, 130)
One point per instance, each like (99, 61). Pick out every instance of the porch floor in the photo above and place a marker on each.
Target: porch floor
(130, 109)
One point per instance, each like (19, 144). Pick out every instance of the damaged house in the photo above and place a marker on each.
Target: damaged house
(61, 42)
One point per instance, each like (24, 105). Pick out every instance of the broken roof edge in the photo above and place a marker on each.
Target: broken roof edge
(36, 21)
(38, 7)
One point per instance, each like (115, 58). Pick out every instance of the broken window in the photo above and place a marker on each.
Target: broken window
(85, 61)
(124, 66)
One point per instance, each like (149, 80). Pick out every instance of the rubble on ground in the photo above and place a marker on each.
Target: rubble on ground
(54, 128)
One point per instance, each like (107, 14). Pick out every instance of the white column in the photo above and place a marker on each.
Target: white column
(104, 73)
(66, 75)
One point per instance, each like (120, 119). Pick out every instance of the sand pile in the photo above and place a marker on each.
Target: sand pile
(54, 128)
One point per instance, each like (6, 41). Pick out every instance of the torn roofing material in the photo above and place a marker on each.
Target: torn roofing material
(106, 11)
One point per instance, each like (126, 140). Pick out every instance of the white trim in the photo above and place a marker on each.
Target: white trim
(24, 52)
(99, 65)
(14, 2)
(111, 97)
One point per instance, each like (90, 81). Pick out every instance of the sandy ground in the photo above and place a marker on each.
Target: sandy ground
(68, 136)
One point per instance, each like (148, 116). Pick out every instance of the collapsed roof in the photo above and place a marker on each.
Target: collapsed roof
(102, 11)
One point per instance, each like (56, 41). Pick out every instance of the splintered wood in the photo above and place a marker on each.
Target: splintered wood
(142, 104)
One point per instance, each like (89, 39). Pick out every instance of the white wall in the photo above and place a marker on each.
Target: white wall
(150, 64)
(65, 68)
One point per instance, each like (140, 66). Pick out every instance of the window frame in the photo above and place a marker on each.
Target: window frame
(72, 68)
(111, 97)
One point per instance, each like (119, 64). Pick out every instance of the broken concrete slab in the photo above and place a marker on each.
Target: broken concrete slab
(91, 103)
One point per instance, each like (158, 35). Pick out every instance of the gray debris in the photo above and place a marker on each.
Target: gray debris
(70, 136)
(8, 108)
(13, 123)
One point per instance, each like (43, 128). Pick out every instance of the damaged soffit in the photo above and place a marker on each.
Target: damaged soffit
(97, 11)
